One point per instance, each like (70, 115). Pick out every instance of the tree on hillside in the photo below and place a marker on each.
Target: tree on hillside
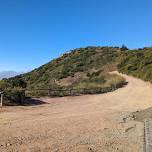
(17, 82)
(124, 48)
(3, 85)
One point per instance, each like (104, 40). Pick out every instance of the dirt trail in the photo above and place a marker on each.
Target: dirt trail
(90, 123)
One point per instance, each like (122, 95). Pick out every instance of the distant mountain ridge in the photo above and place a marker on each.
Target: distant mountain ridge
(8, 74)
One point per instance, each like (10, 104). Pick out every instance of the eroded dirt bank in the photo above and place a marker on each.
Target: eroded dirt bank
(90, 123)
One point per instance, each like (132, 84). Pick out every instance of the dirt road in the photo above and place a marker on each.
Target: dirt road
(90, 123)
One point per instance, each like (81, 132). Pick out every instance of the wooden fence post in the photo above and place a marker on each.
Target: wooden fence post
(1, 103)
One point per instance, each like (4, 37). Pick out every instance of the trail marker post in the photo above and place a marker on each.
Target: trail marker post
(1, 94)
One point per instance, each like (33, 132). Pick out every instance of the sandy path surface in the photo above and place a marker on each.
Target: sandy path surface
(90, 123)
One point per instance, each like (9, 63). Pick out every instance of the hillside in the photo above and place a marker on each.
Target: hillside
(137, 63)
(83, 68)
(73, 67)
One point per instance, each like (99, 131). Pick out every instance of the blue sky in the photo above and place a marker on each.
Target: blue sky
(32, 32)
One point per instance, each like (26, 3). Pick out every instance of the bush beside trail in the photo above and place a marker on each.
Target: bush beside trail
(112, 83)
(137, 63)
(13, 94)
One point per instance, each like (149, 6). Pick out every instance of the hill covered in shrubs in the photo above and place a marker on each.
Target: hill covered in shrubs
(83, 68)
(86, 70)
(137, 63)
(82, 65)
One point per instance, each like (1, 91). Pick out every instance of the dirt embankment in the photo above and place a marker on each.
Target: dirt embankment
(90, 123)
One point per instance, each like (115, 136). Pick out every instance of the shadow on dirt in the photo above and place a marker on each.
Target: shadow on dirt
(33, 102)
(124, 85)
(27, 102)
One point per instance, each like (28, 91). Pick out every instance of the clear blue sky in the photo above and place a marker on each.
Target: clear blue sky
(32, 32)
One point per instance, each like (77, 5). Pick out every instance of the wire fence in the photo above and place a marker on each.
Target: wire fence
(68, 92)
(19, 96)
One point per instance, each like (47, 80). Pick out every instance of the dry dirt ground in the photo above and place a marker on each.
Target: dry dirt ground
(90, 123)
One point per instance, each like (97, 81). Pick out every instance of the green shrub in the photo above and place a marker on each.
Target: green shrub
(4, 85)
(14, 96)
(137, 63)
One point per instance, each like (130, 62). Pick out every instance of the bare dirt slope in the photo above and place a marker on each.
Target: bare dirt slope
(90, 123)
